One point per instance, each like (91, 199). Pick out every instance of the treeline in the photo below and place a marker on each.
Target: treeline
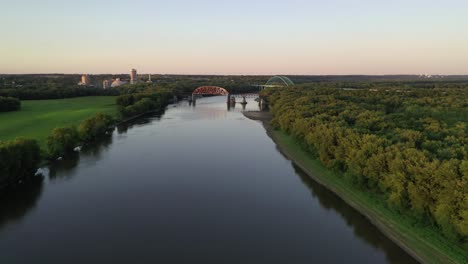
(21, 157)
(56, 93)
(56, 86)
(409, 146)
(63, 140)
(8, 104)
(48, 86)
(129, 105)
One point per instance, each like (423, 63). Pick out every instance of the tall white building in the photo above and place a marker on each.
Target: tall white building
(106, 84)
(149, 79)
(133, 76)
(85, 80)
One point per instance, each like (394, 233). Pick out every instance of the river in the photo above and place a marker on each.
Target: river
(195, 185)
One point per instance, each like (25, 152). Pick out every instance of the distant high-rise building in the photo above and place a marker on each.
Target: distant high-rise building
(85, 80)
(106, 84)
(149, 79)
(133, 76)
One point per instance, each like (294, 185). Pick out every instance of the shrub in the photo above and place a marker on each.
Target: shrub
(19, 160)
(95, 127)
(8, 104)
(62, 141)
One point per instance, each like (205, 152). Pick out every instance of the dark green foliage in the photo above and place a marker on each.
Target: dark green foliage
(8, 104)
(55, 86)
(407, 145)
(95, 127)
(130, 105)
(19, 160)
(62, 141)
(50, 86)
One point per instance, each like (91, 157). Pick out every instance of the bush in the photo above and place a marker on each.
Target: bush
(95, 127)
(130, 105)
(8, 104)
(19, 160)
(62, 141)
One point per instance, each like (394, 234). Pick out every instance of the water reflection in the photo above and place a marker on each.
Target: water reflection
(18, 202)
(96, 150)
(123, 128)
(361, 226)
(64, 169)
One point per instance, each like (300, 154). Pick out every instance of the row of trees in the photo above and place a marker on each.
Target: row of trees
(62, 141)
(8, 104)
(129, 105)
(408, 146)
(21, 157)
(56, 93)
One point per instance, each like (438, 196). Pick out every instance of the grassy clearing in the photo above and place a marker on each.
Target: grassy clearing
(422, 242)
(38, 117)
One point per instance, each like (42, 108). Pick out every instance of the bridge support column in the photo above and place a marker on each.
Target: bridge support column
(262, 104)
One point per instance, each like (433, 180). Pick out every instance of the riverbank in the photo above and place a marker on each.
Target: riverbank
(425, 244)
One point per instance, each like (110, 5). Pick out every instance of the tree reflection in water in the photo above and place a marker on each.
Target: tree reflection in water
(63, 169)
(362, 227)
(18, 202)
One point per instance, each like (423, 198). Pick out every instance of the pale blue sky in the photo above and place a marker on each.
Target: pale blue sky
(235, 37)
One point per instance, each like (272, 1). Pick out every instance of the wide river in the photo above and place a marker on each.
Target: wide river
(195, 185)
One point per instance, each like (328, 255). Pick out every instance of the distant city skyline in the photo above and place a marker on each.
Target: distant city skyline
(242, 37)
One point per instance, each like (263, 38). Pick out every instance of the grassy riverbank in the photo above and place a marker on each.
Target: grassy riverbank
(423, 243)
(37, 118)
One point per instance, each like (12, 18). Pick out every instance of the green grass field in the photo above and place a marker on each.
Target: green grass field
(425, 242)
(38, 117)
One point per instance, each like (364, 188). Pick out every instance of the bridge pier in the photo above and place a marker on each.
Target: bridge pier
(244, 101)
(262, 104)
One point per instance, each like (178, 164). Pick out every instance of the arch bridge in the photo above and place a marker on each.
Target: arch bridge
(280, 81)
(210, 90)
(276, 81)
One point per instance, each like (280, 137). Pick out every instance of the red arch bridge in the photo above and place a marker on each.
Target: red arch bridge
(215, 90)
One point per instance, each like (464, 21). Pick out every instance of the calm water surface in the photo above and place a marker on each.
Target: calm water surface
(195, 185)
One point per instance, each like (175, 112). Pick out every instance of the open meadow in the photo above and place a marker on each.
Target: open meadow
(37, 118)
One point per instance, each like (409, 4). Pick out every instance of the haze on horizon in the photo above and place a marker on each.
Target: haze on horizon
(235, 37)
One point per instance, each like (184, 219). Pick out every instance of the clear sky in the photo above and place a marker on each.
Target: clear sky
(235, 36)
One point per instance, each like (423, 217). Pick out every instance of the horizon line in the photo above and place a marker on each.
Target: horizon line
(218, 74)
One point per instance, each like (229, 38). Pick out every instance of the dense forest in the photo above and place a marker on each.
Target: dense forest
(406, 143)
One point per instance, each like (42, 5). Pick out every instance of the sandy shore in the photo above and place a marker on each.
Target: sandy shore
(257, 115)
